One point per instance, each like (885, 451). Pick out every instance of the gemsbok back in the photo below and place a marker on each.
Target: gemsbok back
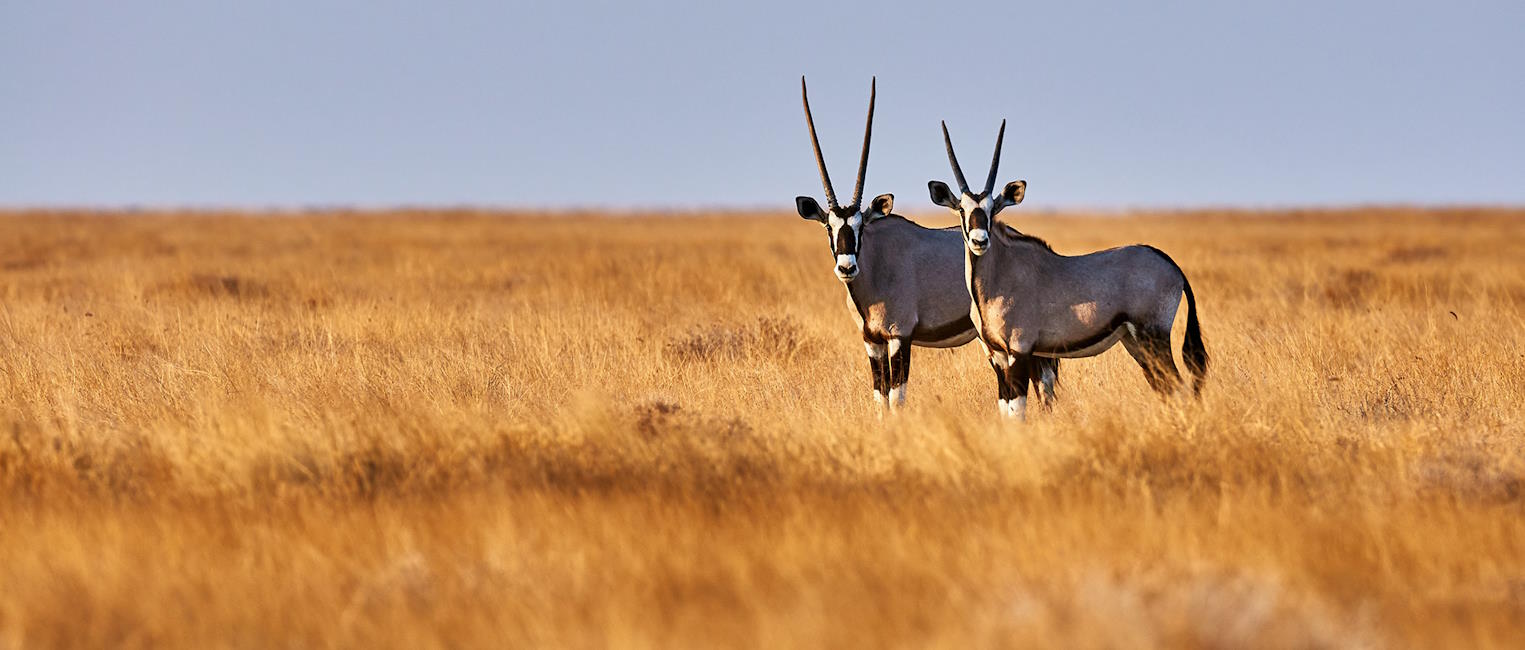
(1031, 301)
(902, 279)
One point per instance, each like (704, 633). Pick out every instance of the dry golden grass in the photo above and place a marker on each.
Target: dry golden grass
(459, 429)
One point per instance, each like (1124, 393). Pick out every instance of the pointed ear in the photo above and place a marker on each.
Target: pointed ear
(809, 209)
(942, 195)
(1013, 193)
(881, 206)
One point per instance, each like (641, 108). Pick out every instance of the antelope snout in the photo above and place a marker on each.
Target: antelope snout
(847, 267)
(979, 241)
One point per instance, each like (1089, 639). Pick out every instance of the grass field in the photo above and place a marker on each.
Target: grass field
(456, 429)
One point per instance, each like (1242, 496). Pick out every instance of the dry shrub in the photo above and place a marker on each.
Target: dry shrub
(1474, 475)
(775, 339)
(1415, 254)
(49, 466)
(228, 285)
(211, 285)
(1349, 288)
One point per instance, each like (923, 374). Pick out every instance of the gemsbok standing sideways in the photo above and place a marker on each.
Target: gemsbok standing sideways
(1031, 301)
(902, 279)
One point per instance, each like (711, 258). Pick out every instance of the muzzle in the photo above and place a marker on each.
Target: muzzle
(847, 267)
(979, 241)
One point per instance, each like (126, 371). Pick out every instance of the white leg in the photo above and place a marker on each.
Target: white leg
(897, 396)
(1018, 408)
(1002, 407)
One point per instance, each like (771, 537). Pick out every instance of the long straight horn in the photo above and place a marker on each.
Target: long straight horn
(868, 134)
(820, 161)
(958, 174)
(995, 162)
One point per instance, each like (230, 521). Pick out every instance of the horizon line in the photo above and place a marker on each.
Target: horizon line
(699, 209)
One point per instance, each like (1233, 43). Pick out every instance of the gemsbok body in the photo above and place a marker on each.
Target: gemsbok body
(903, 282)
(1029, 301)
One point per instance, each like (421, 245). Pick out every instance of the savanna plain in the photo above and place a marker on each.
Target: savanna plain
(470, 429)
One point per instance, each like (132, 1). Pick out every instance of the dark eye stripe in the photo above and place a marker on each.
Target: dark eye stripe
(846, 243)
(979, 219)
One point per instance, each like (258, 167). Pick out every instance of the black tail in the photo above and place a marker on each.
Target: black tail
(1192, 350)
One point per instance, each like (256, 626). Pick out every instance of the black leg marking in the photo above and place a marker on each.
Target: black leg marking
(897, 368)
(1037, 368)
(1018, 374)
(900, 364)
(878, 370)
(1152, 352)
(1003, 391)
(1165, 364)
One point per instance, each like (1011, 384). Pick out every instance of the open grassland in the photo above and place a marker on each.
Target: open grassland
(461, 429)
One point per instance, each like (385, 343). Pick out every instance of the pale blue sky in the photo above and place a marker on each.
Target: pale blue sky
(696, 104)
